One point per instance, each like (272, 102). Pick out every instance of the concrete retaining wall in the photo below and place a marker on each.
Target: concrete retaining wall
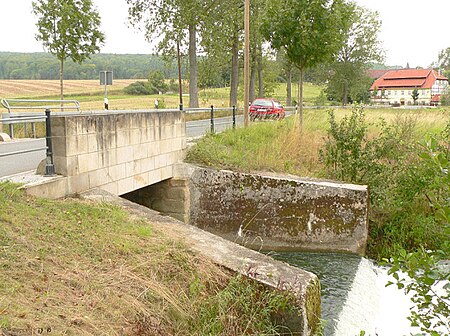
(278, 213)
(116, 152)
(303, 287)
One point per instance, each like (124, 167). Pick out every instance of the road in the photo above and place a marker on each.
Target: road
(18, 163)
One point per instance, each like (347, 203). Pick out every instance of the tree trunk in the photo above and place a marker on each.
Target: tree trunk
(61, 79)
(289, 86)
(234, 81)
(300, 98)
(252, 83)
(345, 98)
(260, 73)
(193, 67)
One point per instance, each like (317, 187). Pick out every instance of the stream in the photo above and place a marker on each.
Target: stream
(354, 295)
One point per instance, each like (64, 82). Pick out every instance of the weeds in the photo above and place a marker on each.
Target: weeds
(75, 267)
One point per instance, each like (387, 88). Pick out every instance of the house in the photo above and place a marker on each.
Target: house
(396, 87)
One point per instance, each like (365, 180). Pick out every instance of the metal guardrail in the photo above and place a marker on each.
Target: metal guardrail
(26, 106)
(29, 104)
(15, 106)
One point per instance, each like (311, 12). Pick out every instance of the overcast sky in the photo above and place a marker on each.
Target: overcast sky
(413, 31)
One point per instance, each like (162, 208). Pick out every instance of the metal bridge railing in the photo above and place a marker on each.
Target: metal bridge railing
(20, 111)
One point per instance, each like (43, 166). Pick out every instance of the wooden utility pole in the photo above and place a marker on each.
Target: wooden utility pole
(180, 88)
(246, 60)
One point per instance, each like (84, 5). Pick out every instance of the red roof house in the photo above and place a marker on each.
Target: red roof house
(396, 86)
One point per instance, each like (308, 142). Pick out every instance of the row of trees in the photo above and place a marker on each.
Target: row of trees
(336, 37)
(302, 34)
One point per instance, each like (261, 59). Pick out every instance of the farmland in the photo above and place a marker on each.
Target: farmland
(90, 94)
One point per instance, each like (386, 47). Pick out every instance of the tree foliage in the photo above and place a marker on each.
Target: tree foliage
(311, 31)
(68, 29)
(45, 66)
(172, 22)
(347, 78)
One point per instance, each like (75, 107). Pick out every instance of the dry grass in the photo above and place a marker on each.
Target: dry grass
(77, 268)
(42, 88)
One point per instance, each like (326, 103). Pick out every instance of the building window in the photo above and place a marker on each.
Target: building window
(403, 93)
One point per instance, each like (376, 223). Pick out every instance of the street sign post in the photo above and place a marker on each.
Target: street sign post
(106, 78)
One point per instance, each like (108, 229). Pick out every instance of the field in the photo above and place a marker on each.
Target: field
(90, 94)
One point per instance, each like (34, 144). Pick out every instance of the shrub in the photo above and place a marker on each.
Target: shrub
(138, 88)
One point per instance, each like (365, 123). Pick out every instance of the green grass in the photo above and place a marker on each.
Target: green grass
(81, 268)
(278, 146)
(400, 215)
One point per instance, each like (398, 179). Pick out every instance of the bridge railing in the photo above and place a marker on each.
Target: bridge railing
(23, 111)
(221, 118)
(26, 111)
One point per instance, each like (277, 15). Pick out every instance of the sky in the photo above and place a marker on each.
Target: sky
(413, 31)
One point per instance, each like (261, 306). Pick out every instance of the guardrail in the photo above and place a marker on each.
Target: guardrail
(24, 114)
(216, 121)
(20, 111)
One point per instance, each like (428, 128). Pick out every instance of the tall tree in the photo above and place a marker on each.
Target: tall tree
(172, 20)
(221, 38)
(361, 48)
(68, 29)
(310, 31)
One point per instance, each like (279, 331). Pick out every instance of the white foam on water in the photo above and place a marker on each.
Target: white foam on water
(362, 303)
(374, 308)
(395, 305)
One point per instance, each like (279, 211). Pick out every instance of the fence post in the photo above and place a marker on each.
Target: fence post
(49, 167)
(11, 130)
(212, 118)
(234, 116)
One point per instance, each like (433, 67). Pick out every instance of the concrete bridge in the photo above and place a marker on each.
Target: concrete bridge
(114, 151)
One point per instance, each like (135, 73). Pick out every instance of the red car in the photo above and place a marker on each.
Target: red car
(266, 108)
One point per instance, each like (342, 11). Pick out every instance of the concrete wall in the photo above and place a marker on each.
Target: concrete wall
(170, 197)
(303, 286)
(279, 213)
(116, 152)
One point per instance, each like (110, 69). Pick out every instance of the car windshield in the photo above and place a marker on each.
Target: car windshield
(277, 104)
(262, 102)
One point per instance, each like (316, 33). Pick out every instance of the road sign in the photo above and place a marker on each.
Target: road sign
(106, 77)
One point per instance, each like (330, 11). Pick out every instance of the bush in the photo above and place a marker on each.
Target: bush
(138, 88)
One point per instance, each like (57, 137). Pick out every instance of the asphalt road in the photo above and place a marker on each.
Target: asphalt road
(18, 163)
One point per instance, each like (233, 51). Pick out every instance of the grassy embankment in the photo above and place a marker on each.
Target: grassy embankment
(400, 217)
(75, 267)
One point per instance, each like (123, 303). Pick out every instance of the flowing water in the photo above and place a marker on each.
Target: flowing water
(354, 295)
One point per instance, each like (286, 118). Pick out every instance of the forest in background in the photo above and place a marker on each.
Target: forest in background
(41, 65)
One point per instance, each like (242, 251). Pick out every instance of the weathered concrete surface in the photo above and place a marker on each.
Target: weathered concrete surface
(170, 197)
(115, 151)
(278, 213)
(304, 286)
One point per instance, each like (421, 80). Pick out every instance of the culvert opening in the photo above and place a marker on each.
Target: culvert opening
(169, 197)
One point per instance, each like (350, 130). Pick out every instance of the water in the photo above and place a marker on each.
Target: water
(354, 295)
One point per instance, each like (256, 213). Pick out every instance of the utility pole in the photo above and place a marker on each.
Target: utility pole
(246, 60)
(180, 88)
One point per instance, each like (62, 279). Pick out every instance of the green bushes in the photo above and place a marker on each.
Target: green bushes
(401, 174)
(154, 85)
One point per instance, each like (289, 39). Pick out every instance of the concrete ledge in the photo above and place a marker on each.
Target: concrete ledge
(4, 137)
(303, 285)
(281, 213)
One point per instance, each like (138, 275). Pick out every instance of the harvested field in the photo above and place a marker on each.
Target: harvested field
(43, 88)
